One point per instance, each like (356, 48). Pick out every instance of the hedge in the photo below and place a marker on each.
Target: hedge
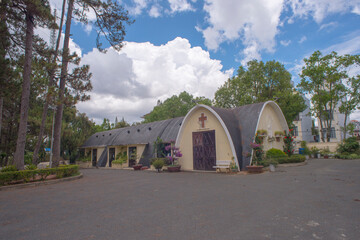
(30, 175)
(291, 159)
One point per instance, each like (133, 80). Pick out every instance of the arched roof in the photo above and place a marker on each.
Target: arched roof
(240, 125)
(141, 134)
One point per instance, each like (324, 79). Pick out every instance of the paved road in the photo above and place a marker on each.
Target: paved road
(320, 200)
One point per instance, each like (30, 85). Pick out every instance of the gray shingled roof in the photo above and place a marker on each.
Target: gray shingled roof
(241, 123)
(141, 134)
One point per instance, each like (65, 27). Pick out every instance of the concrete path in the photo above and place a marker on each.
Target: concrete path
(320, 200)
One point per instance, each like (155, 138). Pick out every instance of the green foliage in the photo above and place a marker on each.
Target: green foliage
(289, 143)
(158, 164)
(266, 162)
(274, 153)
(306, 148)
(259, 83)
(315, 150)
(9, 168)
(31, 167)
(262, 132)
(84, 159)
(350, 145)
(279, 133)
(290, 159)
(28, 175)
(159, 148)
(326, 79)
(176, 106)
(347, 156)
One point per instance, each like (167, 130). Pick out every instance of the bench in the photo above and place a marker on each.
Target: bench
(222, 164)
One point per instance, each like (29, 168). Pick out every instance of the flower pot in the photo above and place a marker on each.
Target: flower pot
(326, 156)
(137, 167)
(255, 169)
(173, 168)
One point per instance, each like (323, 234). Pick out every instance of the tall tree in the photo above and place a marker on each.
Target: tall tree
(110, 20)
(258, 83)
(350, 99)
(321, 77)
(53, 59)
(32, 10)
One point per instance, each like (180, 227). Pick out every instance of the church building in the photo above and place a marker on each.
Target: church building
(204, 135)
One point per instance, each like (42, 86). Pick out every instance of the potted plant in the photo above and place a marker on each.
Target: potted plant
(175, 154)
(233, 166)
(278, 135)
(257, 157)
(120, 159)
(158, 164)
(325, 152)
(315, 151)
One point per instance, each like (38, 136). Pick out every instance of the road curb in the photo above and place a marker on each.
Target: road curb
(293, 164)
(39, 183)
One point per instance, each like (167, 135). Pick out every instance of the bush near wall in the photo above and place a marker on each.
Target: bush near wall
(291, 159)
(9, 177)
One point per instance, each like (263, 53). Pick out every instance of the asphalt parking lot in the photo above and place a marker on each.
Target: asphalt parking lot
(320, 200)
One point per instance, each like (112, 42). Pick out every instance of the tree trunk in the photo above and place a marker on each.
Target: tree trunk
(63, 76)
(346, 115)
(49, 94)
(1, 113)
(24, 110)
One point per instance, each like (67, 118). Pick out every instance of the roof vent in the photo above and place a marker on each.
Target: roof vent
(138, 130)
(109, 134)
(103, 135)
(149, 128)
(128, 131)
(97, 136)
(179, 124)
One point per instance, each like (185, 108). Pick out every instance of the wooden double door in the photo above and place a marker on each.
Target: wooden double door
(204, 150)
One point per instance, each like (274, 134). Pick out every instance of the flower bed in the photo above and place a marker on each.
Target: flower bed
(14, 177)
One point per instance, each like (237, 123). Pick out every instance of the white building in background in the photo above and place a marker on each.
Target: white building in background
(303, 124)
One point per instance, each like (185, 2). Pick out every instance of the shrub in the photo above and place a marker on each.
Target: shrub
(274, 153)
(27, 175)
(31, 167)
(84, 159)
(291, 159)
(267, 162)
(10, 168)
(350, 145)
(158, 164)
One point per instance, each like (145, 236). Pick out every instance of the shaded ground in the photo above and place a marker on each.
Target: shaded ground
(320, 200)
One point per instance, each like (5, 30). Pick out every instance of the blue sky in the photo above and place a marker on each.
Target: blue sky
(193, 45)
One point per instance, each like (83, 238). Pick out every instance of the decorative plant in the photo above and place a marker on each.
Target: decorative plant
(158, 164)
(262, 132)
(305, 147)
(233, 164)
(315, 151)
(121, 158)
(289, 143)
(175, 153)
(257, 151)
(279, 133)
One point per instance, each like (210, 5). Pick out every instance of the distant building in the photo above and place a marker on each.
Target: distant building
(303, 124)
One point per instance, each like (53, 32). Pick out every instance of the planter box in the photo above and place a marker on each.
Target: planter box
(137, 167)
(173, 168)
(255, 169)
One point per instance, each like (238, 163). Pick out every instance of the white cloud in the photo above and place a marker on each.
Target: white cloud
(328, 25)
(139, 6)
(350, 46)
(129, 83)
(180, 5)
(302, 39)
(254, 22)
(155, 11)
(285, 43)
(319, 9)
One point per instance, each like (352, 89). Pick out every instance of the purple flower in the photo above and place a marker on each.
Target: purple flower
(254, 145)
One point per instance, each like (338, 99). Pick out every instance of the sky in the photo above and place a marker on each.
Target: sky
(195, 46)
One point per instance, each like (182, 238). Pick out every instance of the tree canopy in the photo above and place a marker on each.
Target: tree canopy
(261, 82)
(175, 106)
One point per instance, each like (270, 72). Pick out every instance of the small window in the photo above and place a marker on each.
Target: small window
(138, 130)
(149, 128)
(128, 131)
